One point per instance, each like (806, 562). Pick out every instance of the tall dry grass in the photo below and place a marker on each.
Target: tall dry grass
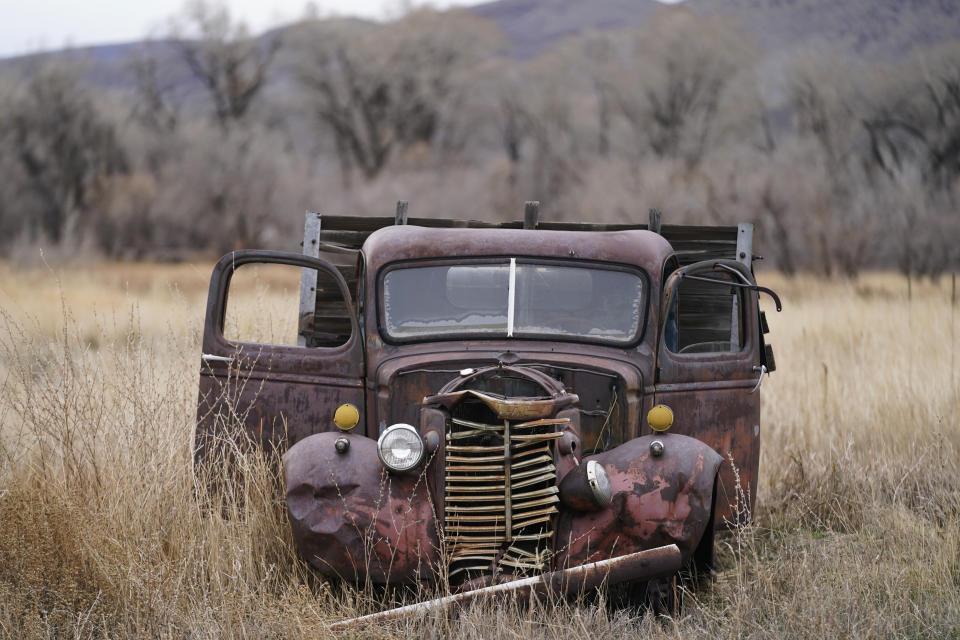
(858, 516)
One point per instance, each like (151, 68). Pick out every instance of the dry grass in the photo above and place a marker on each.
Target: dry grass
(858, 521)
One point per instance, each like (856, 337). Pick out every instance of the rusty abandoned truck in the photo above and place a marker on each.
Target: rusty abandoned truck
(474, 403)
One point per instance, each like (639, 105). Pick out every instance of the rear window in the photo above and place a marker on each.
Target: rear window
(513, 298)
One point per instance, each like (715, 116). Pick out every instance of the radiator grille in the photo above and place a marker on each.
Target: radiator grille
(500, 496)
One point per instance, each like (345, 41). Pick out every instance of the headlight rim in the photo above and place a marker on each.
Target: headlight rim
(406, 427)
(599, 482)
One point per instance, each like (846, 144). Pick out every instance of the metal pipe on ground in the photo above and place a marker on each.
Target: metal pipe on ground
(642, 565)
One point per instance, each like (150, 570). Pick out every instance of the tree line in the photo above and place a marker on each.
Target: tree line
(224, 138)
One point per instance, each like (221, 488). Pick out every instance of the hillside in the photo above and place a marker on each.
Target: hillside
(875, 29)
(880, 29)
(533, 25)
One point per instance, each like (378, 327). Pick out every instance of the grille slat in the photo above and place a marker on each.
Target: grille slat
(462, 517)
(519, 506)
(462, 528)
(467, 509)
(477, 489)
(543, 470)
(473, 459)
(535, 437)
(456, 448)
(531, 461)
(479, 467)
(472, 498)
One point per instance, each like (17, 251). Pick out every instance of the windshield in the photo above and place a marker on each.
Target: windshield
(513, 299)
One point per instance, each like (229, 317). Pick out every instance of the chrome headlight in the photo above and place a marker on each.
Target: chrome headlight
(586, 487)
(599, 483)
(400, 447)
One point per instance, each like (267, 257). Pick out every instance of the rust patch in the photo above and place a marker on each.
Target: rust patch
(656, 501)
(353, 520)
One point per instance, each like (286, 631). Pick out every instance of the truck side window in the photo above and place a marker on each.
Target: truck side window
(330, 324)
(670, 328)
(263, 306)
(707, 317)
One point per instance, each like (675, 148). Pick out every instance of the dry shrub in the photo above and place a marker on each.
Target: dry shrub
(101, 523)
(101, 532)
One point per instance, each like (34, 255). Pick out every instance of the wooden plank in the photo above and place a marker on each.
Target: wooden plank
(696, 243)
(549, 225)
(356, 223)
(370, 224)
(438, 223)
(700, 231)
(352, 239)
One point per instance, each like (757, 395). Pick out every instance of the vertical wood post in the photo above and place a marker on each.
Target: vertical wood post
(745, 244)
(308, 277)
(745, 257)
(401, 216)
(655, 219)
(531, 214)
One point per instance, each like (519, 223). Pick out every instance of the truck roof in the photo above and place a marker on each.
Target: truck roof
(644, 249)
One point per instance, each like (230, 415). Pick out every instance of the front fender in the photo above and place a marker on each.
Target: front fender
(656, 501)
(352, 519)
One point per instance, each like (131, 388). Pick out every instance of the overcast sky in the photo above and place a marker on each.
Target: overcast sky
(28, 26)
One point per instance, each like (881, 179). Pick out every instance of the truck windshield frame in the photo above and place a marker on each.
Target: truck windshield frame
(513, 297)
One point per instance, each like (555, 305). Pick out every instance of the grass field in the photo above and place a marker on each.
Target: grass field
(857, 529)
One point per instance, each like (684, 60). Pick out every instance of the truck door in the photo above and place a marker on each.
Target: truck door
(268, 375)
(708, 367)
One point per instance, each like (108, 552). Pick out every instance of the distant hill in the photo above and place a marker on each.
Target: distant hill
(534, 25)
(883, 29)
(874, 29)
(878, 29)
(106, 66)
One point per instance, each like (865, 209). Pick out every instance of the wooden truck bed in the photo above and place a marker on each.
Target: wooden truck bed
(339, 239)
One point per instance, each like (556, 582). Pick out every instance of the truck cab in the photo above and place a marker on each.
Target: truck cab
(472, 402)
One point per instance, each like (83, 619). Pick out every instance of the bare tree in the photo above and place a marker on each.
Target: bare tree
(827, 99)
(380, 88)
(942, 84)
(554, 102)
(914, 116)
(348, 93)
(600, 54)
(776, 209)
(229, 63)
(155, 106)
(503, 102)
(63, 152)
(669, 79)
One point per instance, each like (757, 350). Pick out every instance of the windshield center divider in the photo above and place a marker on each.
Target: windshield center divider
(511, 290)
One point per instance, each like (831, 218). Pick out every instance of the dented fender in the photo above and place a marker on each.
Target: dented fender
(656, 501)
(351, 519)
